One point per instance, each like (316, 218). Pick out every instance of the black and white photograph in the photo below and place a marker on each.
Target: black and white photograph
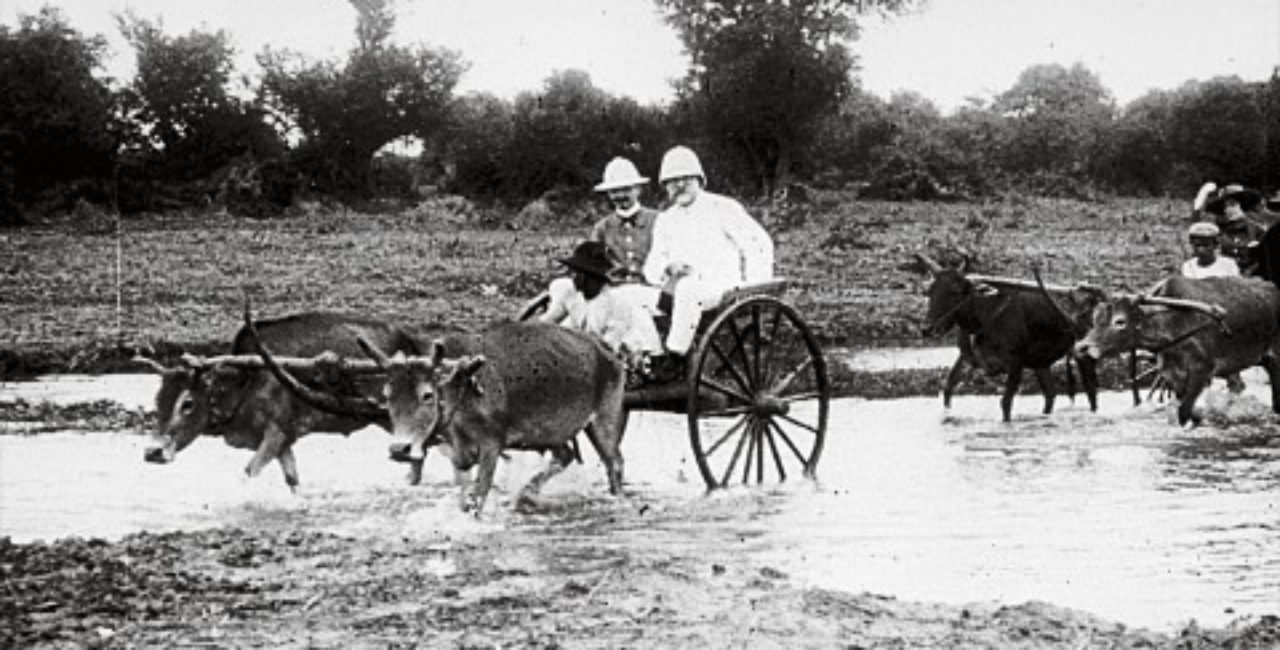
(650, 324)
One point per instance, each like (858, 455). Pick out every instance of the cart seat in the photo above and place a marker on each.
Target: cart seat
(774, 287)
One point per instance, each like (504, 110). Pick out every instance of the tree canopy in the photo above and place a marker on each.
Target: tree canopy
(763, 73)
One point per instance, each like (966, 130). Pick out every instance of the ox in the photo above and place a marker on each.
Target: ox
(1007, 329)
(251, 410)
(1198, 329)
(524, 386)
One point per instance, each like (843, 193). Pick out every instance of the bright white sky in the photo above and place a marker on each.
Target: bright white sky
(947, 51)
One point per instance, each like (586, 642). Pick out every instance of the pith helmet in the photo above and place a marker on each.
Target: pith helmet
(620, 173)
(679, 162)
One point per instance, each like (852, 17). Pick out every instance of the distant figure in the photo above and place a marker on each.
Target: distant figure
(1202, 198)
(1240, 234)
(1205, 261)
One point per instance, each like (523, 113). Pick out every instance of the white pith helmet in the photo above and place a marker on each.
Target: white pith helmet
(620, 173)
(679, 162)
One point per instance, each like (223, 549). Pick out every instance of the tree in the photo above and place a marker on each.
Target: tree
(1216, 130)
(56, 124)
(1057, 116)
(345, 114)
(1135, 157)
(764, 73)
(185, 124)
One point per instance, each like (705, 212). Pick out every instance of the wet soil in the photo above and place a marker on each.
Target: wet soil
(613, 574)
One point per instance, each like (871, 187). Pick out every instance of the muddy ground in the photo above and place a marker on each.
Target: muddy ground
(580, 571)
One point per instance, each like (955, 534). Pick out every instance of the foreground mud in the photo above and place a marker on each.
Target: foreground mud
(604, 574)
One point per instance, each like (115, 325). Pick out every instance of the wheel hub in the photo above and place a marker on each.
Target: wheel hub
(769, 405)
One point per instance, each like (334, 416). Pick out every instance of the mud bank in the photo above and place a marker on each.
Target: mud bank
(541, 583)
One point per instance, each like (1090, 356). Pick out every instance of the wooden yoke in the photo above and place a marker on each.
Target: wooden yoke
(255, 362)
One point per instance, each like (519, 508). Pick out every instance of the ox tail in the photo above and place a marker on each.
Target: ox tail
(1066, 317)
(356, 407)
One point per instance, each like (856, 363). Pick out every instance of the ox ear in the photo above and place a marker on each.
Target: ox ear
(470, 369)
(465, 372)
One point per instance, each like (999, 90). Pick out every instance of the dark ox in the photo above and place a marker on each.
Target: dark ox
(524, 386)
(1007, 328)
(250, 409)
(1198, 329)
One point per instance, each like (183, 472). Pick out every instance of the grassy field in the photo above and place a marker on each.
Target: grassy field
(76, 297)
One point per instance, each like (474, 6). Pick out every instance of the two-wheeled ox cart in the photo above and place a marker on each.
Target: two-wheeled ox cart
(756, 390)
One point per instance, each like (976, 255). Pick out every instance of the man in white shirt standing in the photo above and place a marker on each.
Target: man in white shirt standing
(1205, 261)
(704, 245)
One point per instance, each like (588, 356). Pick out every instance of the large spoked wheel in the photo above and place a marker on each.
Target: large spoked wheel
(758, 396)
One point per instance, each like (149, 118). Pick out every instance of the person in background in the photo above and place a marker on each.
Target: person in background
(1239, 233)
(1202, 198)
(1205, 261)
(704, 245)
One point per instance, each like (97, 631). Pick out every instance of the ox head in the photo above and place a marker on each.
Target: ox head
(1115, 328)
(420, 390)
(192, 400)
(951, 296)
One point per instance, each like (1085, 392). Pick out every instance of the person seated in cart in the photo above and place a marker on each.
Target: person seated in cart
(626, 234)
(704, 245)
(605, 311)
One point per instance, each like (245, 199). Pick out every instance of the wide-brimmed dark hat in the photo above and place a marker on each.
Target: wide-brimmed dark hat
(590, 257)
(1247, 198)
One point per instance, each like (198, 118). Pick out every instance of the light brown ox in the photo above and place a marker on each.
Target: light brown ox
(521, 386)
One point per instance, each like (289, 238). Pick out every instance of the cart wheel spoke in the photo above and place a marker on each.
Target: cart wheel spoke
(743, 382)
(728, 391)
(770, 433)
(727, 434)
(757, 374)
(737, 451)
(753, 439)
(803, 425)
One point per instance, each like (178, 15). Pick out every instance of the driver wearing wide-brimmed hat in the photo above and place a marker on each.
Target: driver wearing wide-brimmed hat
(597, 307)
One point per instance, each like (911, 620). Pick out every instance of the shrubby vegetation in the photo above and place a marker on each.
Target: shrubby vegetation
(771, 100)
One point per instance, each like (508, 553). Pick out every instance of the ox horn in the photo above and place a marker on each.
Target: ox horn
(930, 265)
(150, 363)
(329, 403)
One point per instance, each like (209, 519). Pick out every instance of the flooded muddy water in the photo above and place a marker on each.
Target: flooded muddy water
(1119, 513)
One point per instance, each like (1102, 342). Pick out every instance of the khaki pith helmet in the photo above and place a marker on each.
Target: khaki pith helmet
(679, 162)
(620, 173)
